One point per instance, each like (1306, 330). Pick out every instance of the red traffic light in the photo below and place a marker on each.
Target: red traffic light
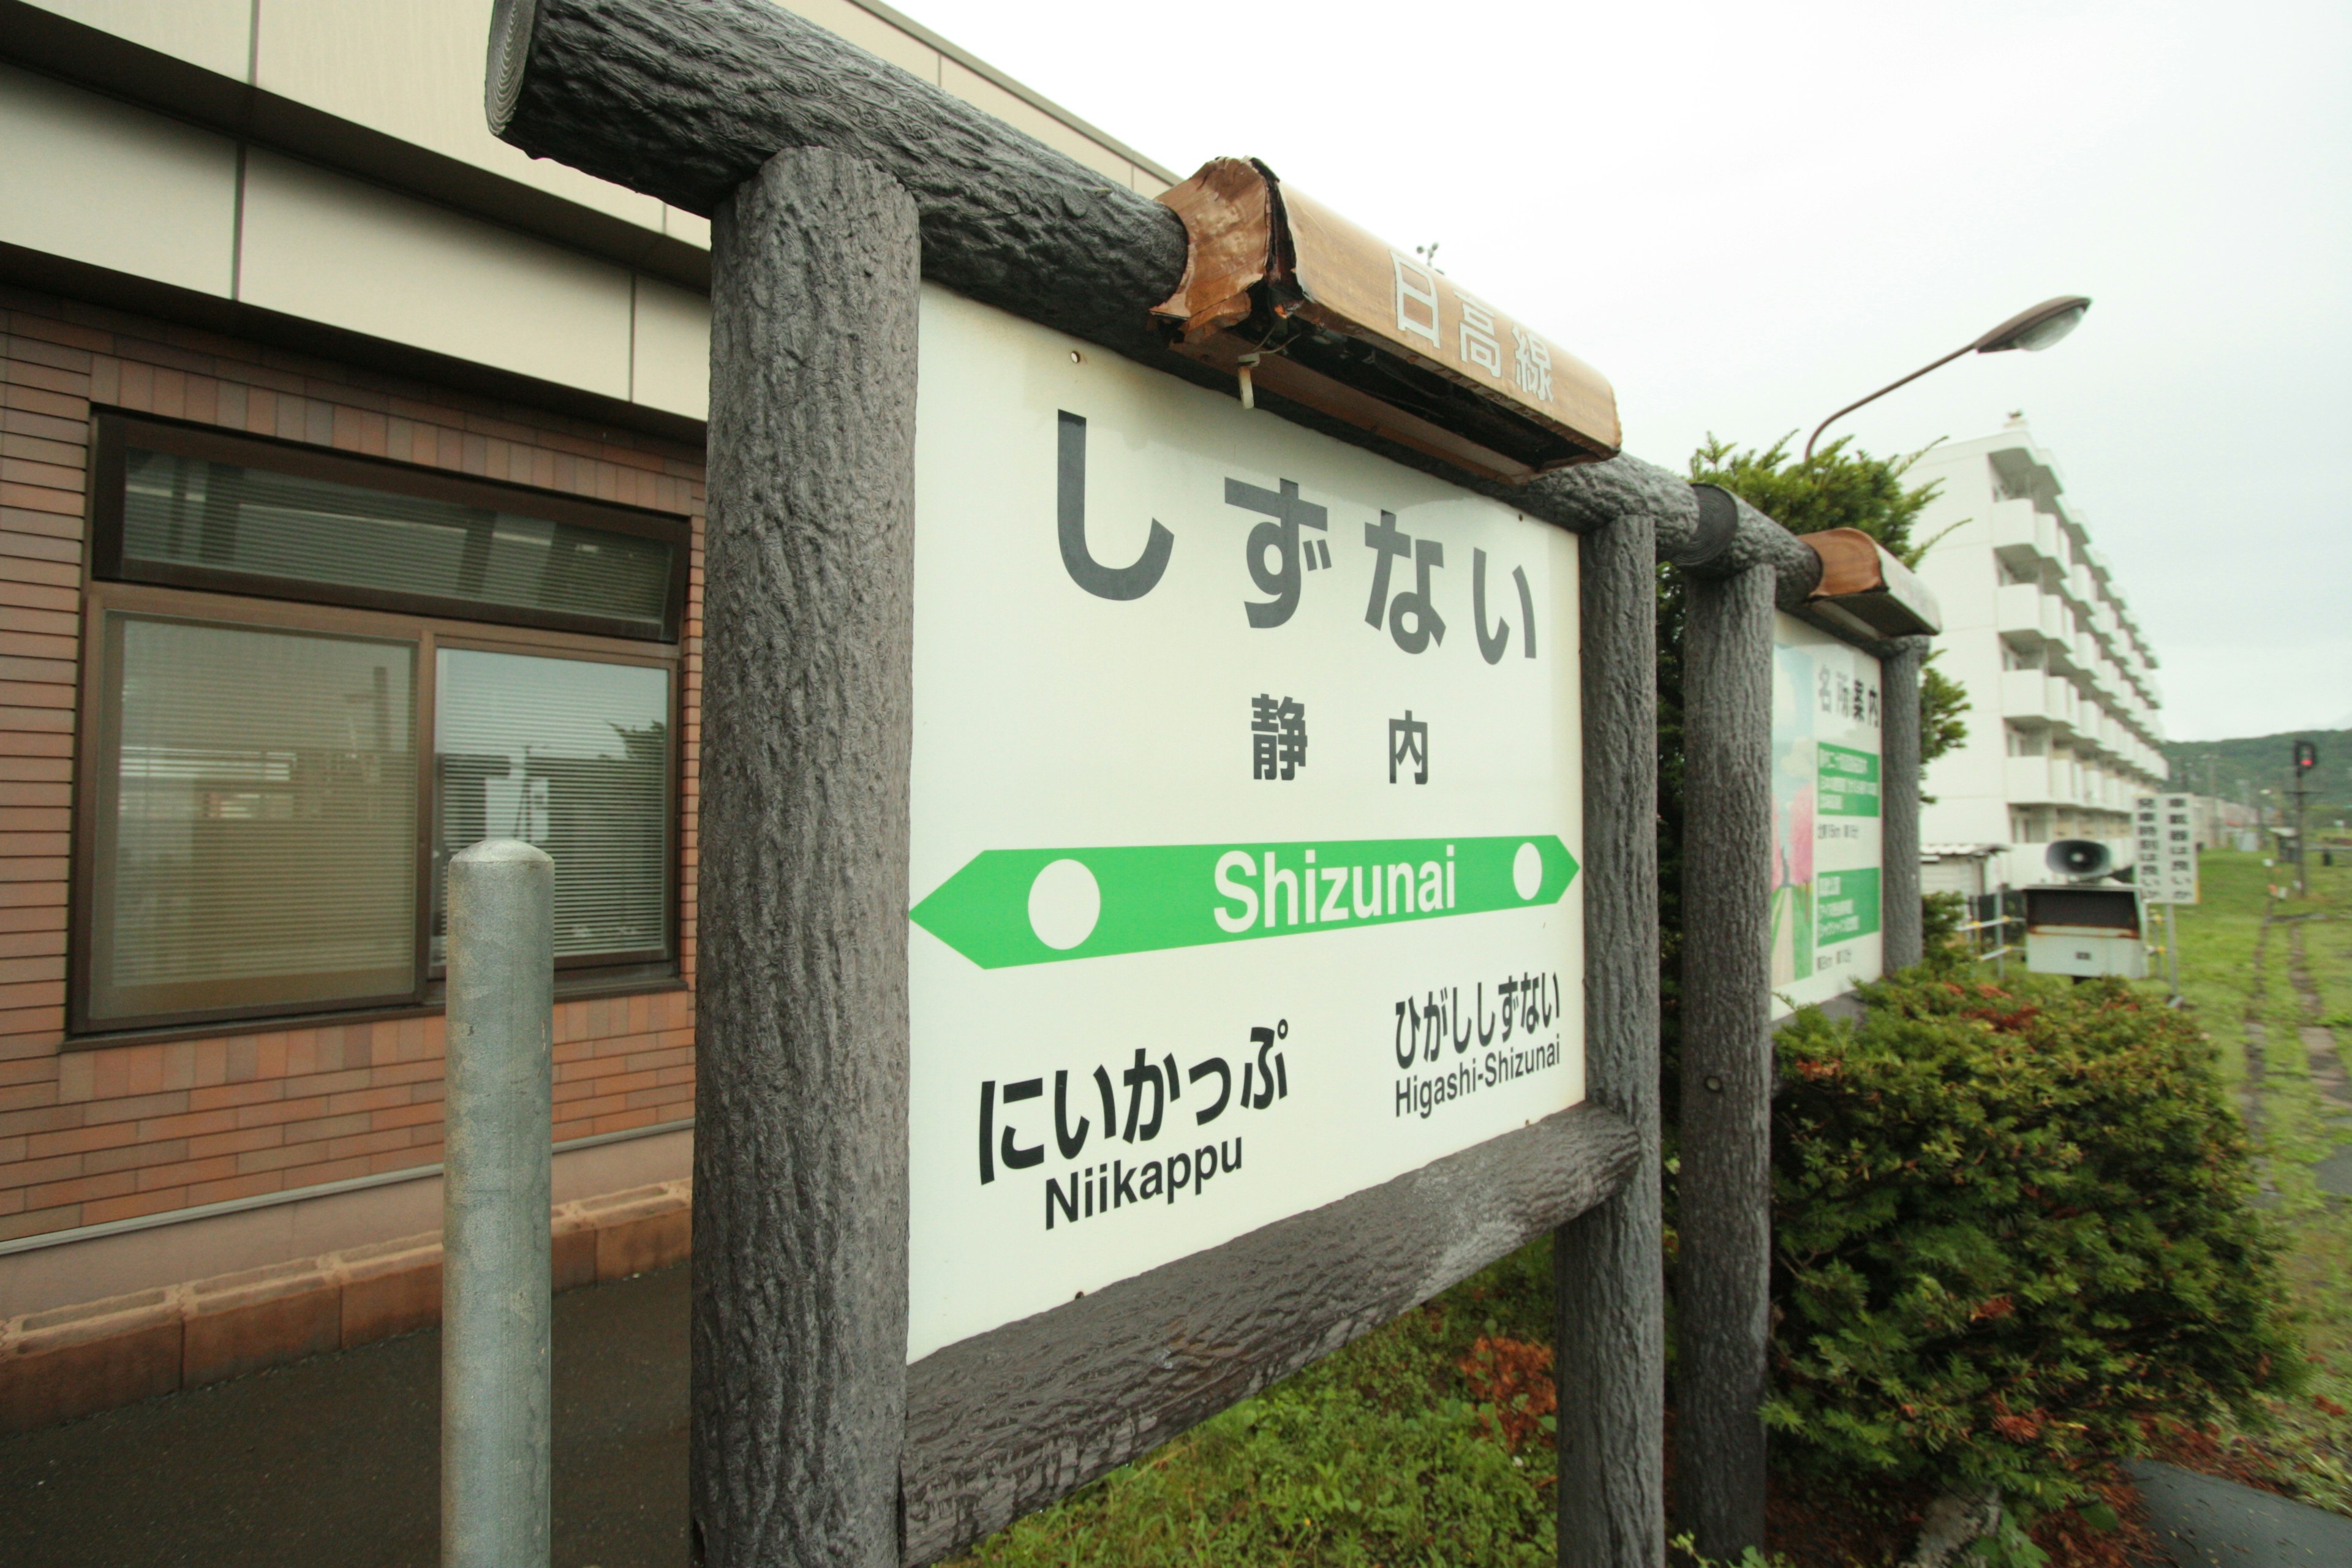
(2306, 756)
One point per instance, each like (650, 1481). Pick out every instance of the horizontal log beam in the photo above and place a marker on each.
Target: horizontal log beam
(686, 101)
(1733, 537)
(1009, 1420)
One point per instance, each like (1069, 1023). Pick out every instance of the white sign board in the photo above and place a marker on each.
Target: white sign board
(1825, 817)
(2164, 848)
(1246, 831)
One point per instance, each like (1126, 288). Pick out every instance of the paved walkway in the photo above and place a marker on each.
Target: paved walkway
(334, 1463)
(336, 1460)
(2209, 1523)
(2328, 1075)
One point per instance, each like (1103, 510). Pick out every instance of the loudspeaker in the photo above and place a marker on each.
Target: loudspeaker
(2079, 858)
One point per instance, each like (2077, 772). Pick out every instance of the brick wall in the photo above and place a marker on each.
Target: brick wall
(91, 1135)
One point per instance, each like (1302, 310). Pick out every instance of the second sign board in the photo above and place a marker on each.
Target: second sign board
(1826, 838)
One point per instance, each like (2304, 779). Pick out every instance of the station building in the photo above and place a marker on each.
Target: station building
(351, 511)
(2064, 726)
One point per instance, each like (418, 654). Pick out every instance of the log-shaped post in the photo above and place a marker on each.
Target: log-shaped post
(800, 1192)
(1607, 1270)
(1899, 914)
(1723, 1277)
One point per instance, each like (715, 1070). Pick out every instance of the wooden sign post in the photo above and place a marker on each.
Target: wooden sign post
(1801, 810)
(799, 1208)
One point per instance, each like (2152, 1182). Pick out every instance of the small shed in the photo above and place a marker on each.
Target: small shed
(1962, 868)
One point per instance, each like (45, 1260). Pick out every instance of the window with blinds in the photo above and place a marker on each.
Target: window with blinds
(255, 832)
(191, 508)
(184, 511)
(573, 755)
(313, 680)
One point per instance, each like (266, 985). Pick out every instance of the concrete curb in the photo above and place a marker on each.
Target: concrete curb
(76, 1361)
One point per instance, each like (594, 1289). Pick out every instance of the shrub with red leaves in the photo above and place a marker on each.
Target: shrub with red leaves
(1512, 1383)
(2007, 1225)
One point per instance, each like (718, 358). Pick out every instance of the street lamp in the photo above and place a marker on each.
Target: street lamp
(2032, 330)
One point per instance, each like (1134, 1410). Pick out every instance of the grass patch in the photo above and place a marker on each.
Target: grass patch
(2302, 1447)
(1427, 1442)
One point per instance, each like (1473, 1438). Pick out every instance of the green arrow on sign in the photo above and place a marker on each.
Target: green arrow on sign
(1009, 907)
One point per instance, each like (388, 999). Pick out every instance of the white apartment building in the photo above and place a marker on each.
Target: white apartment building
(2063, 728)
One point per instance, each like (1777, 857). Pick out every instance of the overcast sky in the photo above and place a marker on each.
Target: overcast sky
(1746, 216)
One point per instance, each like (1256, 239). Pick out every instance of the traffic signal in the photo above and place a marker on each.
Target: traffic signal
(2306, 757)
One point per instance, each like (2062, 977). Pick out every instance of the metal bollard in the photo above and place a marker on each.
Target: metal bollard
(495, 1281)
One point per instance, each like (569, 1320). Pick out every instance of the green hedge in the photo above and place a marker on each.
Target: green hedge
(2010, 1227)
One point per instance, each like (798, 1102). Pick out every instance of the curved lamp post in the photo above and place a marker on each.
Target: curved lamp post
(2032, 330)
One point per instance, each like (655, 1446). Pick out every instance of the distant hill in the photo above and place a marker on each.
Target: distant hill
(2261, 761)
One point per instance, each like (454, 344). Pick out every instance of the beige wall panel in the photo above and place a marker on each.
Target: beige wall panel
(871, 34)
(213, 34)
(691, 228)
(412, 69)
(89, 178)
(670, 367)
(331, 249)
(975, 88)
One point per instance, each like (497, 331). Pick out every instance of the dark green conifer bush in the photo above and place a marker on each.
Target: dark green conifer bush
(2012, 1228)
(1941, 915)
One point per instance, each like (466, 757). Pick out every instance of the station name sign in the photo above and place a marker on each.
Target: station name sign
(1246, 822)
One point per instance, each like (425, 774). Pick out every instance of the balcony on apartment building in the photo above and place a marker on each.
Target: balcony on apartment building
(2027, 616)
(2095, 732)
(2064, 652)
(2024, 536)
(2034, 699)
(2119, 736)
(2105, 684)
(2122, 740)
(2045, 781)
(2063, 779)
(2111, 735)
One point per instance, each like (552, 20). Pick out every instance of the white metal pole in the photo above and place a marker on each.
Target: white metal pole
(2000, 934)
(2172, 947)
(495, 1308)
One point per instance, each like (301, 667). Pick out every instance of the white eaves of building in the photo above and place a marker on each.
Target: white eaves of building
(320, 172)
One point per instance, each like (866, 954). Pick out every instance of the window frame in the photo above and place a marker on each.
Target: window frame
(112, 435)
(207, 596)
(100, 737)
(472, 637)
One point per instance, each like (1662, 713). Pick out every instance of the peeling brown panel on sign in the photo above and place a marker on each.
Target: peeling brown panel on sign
(1228, 213)
(1357, 284)
(1849, 562)
(1327, 315)
(1864, 585)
